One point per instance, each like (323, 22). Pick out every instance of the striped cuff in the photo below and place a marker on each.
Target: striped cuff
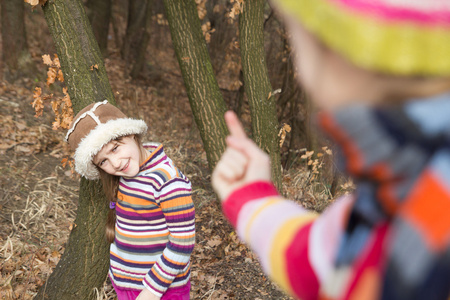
(253, 191)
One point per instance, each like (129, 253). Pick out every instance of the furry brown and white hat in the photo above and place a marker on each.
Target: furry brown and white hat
(95, 126)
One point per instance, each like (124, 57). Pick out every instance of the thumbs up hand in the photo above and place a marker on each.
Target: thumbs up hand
(242, 162)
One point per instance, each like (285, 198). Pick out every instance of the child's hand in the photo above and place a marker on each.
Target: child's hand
(242, 162)
(147, 295)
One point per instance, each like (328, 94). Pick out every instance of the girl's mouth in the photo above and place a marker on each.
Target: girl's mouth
(125, 167)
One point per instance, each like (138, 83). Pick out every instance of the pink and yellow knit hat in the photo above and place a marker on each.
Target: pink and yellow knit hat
(401, 37)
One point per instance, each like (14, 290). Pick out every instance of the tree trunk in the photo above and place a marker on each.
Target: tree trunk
(203, 91)
(16, 58)
(136, 27)
(99, 13)
(257, 85)
(139, 60)
(117, 15)
(85, 262)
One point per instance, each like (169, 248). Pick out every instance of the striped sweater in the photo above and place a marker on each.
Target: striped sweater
(155, 229)
(391, 239)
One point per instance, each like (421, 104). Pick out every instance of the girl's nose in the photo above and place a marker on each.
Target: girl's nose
(115, 163)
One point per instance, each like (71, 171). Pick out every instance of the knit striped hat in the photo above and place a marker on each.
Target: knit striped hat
(400, 37)
(95, 126)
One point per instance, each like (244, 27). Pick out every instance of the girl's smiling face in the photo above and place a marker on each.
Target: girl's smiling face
(120, 157)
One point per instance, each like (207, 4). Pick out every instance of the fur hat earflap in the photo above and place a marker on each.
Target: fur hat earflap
(95, 126)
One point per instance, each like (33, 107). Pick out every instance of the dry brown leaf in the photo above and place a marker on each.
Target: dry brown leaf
(32, 2)
(60, 76)
(51, 75)
(282, 134)
(201, 9)
(37, 103)
(72, 226)
(214, 242)
(64, 161)
(47, 60)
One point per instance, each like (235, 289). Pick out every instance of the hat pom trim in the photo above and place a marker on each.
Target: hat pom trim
(90, 145)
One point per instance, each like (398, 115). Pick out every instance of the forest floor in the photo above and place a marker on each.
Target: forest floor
(38, 196)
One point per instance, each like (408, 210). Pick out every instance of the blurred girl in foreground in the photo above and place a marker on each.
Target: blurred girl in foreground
(380, 71)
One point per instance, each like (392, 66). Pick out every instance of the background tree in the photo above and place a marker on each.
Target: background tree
(85, 262)
(99, 14)
(15, 54)
(136, 28)
(203, 91)
(137, 35)
(257, 85)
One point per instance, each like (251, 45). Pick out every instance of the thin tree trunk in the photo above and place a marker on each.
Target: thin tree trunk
(99, 13)
(139, 61)
(15, 55)
(117, 9)
(257, 85)
(203, 91)
(136, 27)
(85, 262)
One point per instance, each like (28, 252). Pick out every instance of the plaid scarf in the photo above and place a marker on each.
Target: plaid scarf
(400, 159)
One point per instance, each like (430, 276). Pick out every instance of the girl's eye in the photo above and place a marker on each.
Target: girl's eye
(115, 148)
(101, 163)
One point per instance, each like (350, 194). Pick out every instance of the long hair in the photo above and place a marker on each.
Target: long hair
(111, 187)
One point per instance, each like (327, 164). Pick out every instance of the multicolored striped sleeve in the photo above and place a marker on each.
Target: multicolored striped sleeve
(176, 204)
(288, 239)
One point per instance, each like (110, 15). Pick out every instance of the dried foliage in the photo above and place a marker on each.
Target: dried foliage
(33, 245)
(17, 136)
(283, 132)
(35, 3)
(201, 9)
(161, 20)
(207, 31)
(236, 9)
(62, 107)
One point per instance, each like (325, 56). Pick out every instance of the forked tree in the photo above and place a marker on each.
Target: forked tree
(85, 262)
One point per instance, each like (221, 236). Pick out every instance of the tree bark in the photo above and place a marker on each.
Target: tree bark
(84, 264)
(257, 84)
(203, 91)
(99, 14)
(16, 58)
(139, 60)
(136, 28)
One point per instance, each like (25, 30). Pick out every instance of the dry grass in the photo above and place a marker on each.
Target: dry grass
(36, 236)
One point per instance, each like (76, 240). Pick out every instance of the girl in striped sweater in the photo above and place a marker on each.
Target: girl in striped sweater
(151, 221)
